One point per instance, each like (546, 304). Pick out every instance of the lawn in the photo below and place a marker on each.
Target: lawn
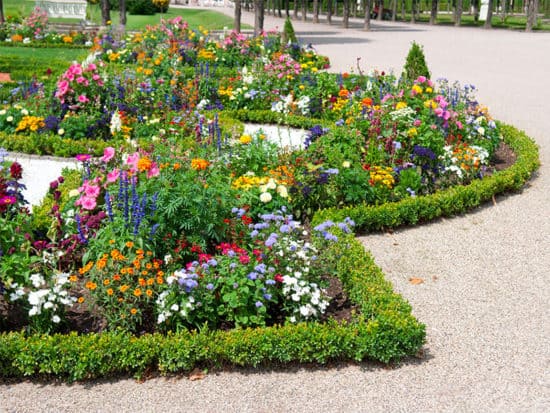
(210, 20)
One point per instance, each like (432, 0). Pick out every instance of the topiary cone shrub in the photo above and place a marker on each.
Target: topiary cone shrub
(288, 35)
(415, 65)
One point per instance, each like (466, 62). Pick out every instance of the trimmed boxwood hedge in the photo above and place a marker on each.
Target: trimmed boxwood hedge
(385, 329)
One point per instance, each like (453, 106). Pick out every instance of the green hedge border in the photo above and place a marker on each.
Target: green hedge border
(453, 201)
(385, 330)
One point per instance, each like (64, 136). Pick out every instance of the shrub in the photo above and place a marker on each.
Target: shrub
(141, 7)
(415, 65)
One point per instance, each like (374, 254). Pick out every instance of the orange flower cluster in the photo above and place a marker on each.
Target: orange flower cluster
(199, 164)
(122, 281)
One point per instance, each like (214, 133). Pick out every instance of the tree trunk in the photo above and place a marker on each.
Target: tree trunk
(475, 4)
(238, 15)
(280, 8)
(403, 10)
(2, 19)
(458, 13)
(329, 11)
(304, 10)
(296, 8)
(105, 12)
(367, 4)
(393, 10)
(122, 16)
(315, 11)
(488, 24)
(433, 13)
(258, 17)
(532, 10)
(380, 10)
(413, 11)
(345, 17)
(287, 8)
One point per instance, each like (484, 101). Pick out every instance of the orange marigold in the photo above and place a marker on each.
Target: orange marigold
(137, 292)
(199, 164)
(90, 285)
(133, 311)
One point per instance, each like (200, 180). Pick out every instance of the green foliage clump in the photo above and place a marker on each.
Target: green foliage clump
(415, 64)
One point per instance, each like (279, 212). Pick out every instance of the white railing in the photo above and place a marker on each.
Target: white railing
(71, 9)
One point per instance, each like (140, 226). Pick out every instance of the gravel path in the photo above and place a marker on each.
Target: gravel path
(484, 297)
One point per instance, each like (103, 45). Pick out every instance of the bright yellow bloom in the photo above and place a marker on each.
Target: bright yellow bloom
(400, 105)
(199, 164)
(245, 139)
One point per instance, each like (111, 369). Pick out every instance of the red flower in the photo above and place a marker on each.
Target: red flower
(16, 170)
(244, 259)
(246, 220)
(278, 278)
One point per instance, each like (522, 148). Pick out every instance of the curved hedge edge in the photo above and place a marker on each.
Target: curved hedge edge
(386, 331)
(449, 202)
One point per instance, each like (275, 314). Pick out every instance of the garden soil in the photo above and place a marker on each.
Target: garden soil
(484, 276)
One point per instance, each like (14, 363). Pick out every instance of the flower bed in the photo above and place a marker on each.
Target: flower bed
(182, 229)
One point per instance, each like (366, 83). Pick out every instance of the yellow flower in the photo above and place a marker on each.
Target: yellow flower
(245, 139)
(417, 89)
(412, 132)
(400, 105)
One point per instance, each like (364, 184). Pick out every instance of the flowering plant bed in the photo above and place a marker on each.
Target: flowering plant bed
(179, 228)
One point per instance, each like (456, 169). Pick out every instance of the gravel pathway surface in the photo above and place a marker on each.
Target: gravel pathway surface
(484, 297)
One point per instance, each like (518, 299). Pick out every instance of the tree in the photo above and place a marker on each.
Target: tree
(380, 10)
(458, 12)
(238, 14)
(488, 22)
(258, 16)
(315, 11)
(433, 13)
(329, 11)
(122, 15)
(105, 12)
(345, 17)
(304, 10)
(367, 4)
(532, 10)
(2, 19)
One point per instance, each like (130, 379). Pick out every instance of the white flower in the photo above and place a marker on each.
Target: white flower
(116, 123)
(37, 280)
(161, 318)
(48, 305)
(61, 131)
(174, 307)
(9, 119)
(24, 112)
(26, 40)
(73, 193)
(346, 164)
(292, 319)
(481, 130)
(282, 191)
(2, 112)
(265, 197)
(34, 311)
(56, 319)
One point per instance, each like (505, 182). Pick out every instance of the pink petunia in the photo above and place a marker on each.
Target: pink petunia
(83, 157)
(133, 161)
(459, 124)
(153, 171)
(83, 99)
(88, 203)
(108, 154)
(91, 191)
(113, 176)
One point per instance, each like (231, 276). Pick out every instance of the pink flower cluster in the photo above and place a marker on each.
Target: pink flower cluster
(134, 164)
(283, 66)
(75, 84)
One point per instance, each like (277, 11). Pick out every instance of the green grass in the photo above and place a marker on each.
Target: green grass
(25, 62)
(210, 20)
